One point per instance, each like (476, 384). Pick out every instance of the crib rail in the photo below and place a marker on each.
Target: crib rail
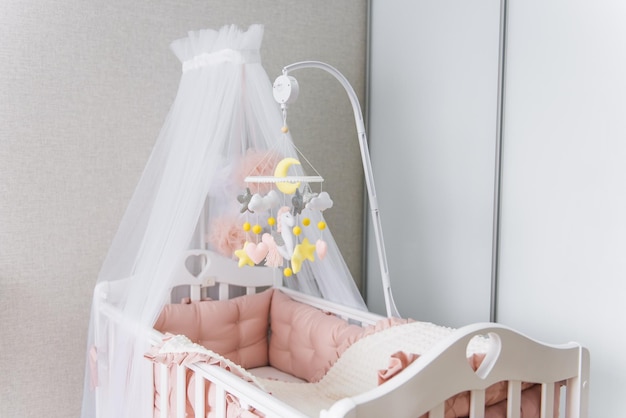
(349, 314)
(225, 385)
(443, 372)
(214, 270)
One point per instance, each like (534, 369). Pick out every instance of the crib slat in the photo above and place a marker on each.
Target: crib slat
(220, 401)
(181, 391)
(514, 399)
(223, 291)
(577, 390)
(164, 401)
(195, 292)
(547, 400)
(477, 403)
(250, 290)
(438, 411)
(200, 400)
(151, 399)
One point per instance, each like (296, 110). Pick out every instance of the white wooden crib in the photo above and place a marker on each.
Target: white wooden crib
(421, 388)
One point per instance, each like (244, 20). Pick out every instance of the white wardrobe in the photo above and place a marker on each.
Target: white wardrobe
(561, 255)
(432, 115)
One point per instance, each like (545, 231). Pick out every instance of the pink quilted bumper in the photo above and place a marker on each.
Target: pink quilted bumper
(236, 328)
(304, 341)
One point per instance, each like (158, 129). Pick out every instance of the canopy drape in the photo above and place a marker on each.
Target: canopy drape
(222, 123)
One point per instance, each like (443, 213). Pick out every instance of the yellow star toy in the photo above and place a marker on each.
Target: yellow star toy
(303, 251)
(244, 258)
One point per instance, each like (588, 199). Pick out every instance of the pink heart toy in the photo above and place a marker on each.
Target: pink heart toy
(257, 252)
(321, 248)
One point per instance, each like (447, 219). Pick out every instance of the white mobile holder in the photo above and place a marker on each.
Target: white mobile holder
(286, 91)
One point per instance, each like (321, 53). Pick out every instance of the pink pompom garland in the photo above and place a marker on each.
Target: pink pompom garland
(226, 235)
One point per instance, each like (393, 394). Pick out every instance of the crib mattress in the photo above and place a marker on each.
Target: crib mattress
(356, 371)
(273, 374)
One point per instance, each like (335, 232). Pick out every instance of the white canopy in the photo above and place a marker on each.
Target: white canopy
(223, 120)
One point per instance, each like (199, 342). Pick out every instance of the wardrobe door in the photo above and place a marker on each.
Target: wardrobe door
(432, 127)
(563, 265)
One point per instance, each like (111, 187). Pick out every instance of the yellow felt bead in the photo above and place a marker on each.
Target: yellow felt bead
(271, 221)
(297, 230)
(321, 225)
(287, 272)
(306, 222)
(284, 129)
(257, 229)
(246, 226)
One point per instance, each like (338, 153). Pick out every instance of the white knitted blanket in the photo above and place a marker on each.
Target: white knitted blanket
(356, 371)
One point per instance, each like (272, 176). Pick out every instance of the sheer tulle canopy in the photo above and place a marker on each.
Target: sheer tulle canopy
(221, 124)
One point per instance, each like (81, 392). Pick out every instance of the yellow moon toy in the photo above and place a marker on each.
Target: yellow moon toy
(281, 171)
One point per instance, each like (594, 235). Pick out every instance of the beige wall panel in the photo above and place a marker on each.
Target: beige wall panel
(84, 89)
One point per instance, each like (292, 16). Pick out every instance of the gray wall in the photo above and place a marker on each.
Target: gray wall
(84, 89)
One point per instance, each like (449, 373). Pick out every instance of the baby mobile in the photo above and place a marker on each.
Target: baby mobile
(286, 210)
